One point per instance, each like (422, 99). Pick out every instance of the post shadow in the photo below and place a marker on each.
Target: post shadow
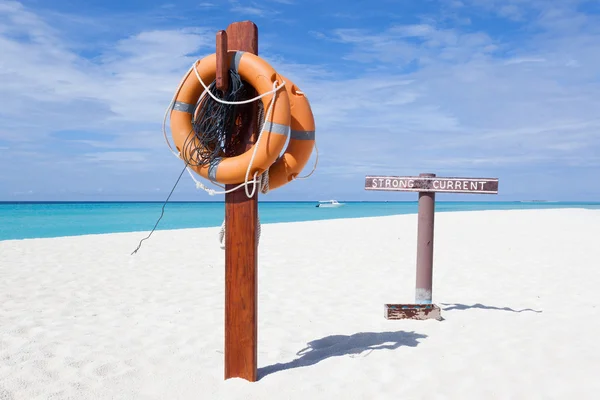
(462, 307)
(343, 345)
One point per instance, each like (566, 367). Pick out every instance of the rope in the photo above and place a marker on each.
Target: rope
(211, 123)
(216, 123)
(314, 165)
(255, 181)
(162, 211)
(222, 233)
(264, 188)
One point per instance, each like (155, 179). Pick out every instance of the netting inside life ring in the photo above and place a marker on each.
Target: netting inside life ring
(216, 126)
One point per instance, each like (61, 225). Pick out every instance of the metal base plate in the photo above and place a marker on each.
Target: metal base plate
(412, 311)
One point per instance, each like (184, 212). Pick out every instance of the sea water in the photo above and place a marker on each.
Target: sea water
(54, 219)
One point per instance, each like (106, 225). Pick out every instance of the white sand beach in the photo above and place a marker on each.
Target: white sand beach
(81, 318)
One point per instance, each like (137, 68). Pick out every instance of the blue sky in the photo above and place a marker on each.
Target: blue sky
(474, 88)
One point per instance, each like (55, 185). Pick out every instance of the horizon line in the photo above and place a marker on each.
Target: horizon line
(288, 201)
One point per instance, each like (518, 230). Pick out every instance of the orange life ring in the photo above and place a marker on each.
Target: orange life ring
(259, 74)
(302, 139)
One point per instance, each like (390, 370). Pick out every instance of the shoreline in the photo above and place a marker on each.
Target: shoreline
(324, 220)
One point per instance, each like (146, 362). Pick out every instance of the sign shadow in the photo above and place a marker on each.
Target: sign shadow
(462, 307)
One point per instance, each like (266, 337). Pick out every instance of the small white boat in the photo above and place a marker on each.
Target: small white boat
(329, 204)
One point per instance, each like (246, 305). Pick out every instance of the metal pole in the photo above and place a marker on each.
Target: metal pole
(423, 291)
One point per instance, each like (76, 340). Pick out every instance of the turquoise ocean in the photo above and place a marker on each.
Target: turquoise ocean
(53, 219)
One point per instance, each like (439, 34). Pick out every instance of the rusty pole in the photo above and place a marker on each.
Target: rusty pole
(423, 291)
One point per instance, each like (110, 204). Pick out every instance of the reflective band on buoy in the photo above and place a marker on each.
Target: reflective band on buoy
(259, 74)
(302, 139)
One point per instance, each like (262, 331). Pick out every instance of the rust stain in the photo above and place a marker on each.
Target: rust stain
(413, 311)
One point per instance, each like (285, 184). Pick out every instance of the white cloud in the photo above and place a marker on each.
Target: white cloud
(117, 156)
(128, 82)
(256, 11)
(522, 60)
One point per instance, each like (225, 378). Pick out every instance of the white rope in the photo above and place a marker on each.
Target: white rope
(314, 165)
(164, 124)
(256, 179)
(264, 188)
(275, 89)
(222, 233)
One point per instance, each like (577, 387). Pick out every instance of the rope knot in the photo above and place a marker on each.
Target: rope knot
(264, 182)
(222, 233)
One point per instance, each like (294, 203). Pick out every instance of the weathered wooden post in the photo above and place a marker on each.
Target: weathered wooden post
(241, 214)
(427, 185)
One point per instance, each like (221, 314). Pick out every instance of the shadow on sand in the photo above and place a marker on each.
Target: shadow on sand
(344, 345)
(456, 306)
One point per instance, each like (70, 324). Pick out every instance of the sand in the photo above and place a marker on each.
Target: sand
(80, 318)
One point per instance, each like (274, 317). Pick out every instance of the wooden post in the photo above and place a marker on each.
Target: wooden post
(426, 185)
(241, 214)
(222, 79)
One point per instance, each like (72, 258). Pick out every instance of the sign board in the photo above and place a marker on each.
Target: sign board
(432, 184)
(426, 185)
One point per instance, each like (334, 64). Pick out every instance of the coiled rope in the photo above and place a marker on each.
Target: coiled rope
(256, 180)
(222, 233)
(212, 120)
(210, 124)
(264, 188)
